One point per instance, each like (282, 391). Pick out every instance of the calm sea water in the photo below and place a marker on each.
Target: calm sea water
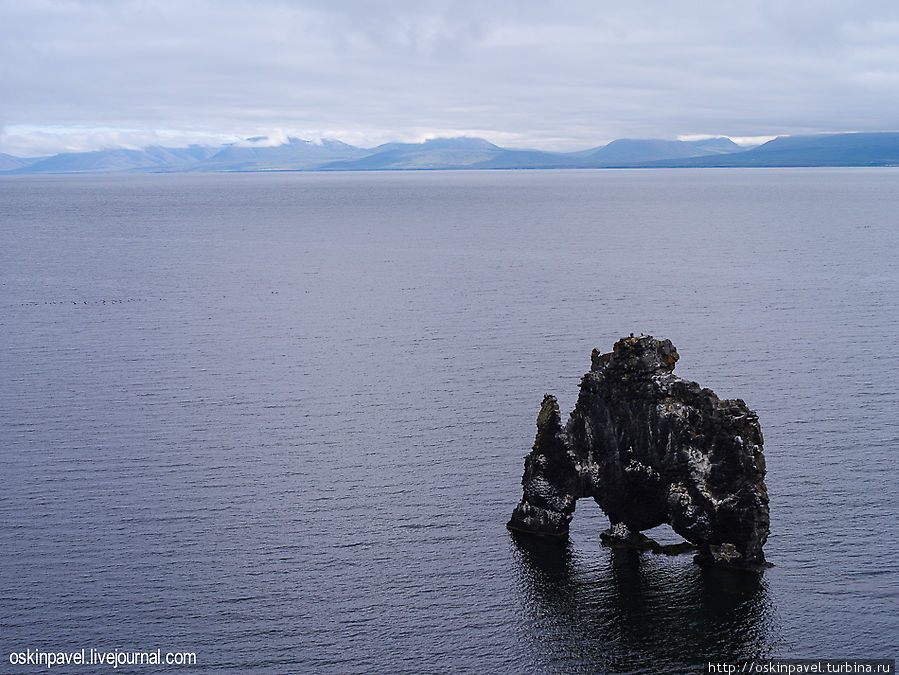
(279, 420)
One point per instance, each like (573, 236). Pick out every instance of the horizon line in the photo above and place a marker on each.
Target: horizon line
(264, 140)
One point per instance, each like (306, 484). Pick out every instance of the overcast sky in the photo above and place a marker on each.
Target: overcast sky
(85, 74)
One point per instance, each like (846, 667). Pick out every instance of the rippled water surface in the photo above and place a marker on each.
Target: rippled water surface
(279, 420)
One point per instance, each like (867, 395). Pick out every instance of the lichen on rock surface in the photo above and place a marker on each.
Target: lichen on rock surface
(650, 448)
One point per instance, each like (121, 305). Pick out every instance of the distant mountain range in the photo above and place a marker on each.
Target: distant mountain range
(8, 162)
(855, 149)
(862, 149)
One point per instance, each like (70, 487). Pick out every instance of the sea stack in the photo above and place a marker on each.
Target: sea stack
(650, 448)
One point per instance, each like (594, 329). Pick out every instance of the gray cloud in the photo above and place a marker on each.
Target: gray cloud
(558, 75)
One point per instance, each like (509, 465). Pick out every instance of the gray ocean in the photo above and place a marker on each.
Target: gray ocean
(280, 420)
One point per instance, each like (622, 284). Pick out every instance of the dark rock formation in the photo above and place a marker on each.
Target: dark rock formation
(650, 448)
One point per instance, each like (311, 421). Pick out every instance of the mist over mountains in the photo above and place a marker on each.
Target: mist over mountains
(850, 149)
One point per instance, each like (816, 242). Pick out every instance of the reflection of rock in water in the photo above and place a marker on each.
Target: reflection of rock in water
(650, 448)
(632, 613)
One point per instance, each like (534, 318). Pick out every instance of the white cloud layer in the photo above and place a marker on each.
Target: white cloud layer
(80, 74)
